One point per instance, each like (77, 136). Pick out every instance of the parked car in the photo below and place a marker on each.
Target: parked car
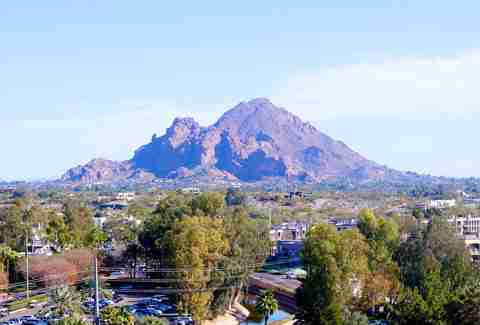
(4, 311)
(182, 320)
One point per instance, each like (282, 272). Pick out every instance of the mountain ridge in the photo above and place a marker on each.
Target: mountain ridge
(253, 141)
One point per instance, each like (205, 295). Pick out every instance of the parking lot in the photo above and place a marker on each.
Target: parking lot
(156, 306)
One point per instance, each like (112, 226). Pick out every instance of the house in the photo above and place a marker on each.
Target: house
(38, 244)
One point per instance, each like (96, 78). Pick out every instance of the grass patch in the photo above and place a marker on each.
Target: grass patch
(24, 303)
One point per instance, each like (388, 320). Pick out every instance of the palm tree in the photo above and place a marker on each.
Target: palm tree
(7, 257)
(66, 301)
(267, 305)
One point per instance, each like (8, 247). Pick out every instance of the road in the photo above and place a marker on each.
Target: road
(284, 288)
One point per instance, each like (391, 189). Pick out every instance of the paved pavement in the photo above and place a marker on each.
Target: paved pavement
(268, 280)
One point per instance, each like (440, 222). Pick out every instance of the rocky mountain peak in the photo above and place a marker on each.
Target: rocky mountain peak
(182, 129)
(253, 140)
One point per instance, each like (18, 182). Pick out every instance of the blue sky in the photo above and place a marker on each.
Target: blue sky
(83, 79)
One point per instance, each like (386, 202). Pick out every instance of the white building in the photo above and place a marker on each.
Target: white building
(436, 204)
(191, 190)
(125, 196)
(466, 225)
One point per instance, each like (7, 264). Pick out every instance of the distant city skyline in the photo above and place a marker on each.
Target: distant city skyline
(396, 82)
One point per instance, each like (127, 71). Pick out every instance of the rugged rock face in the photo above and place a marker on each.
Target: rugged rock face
(252, 141)
(98, 170)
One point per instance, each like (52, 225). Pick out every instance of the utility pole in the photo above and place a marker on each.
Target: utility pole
(270, 217)
(97, 305)
(28, 267)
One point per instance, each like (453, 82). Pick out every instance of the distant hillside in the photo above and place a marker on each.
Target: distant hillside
(253, 141)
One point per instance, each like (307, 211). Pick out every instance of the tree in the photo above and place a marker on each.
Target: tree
(117, 316)
(208, 204)
(7, 257)
(381, 284)
(337, 266)
(436, 268)
(354, 318)
(66, 302)
(51, 270)
(466, 309)
(151, 321)
(367, 223)
(249, 246)
(57, 232)
(71, 321)
(79, 220)
(200, 245)
(235, 197)
(11, 230)
(267, 305)
(410, 308)
(95, 238)
(152, 237)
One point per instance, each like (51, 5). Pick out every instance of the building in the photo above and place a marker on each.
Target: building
(344, 224)
(299, 195)
(466, 225)
(436, 204)
(468, 228)
(471, 201)
(114, 205)
(190, 190)
(289, 231)
(125, 196)
(289, 248)
(473, 244)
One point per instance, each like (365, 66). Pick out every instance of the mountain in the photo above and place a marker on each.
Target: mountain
(253, 141)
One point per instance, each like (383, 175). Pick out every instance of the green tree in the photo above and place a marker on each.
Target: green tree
(267, 305)
(117, 316)
(208, 204)
(7, 257)
(66, 302)
(249, 246)
(368, 223)
(200, 245)
(410, 308)
(95, 238)
(336, 265)
(151, 321)
(157, 247)
(72, 321)
(466, 309)
(79, 220)
(354, 318)
(57, 232)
